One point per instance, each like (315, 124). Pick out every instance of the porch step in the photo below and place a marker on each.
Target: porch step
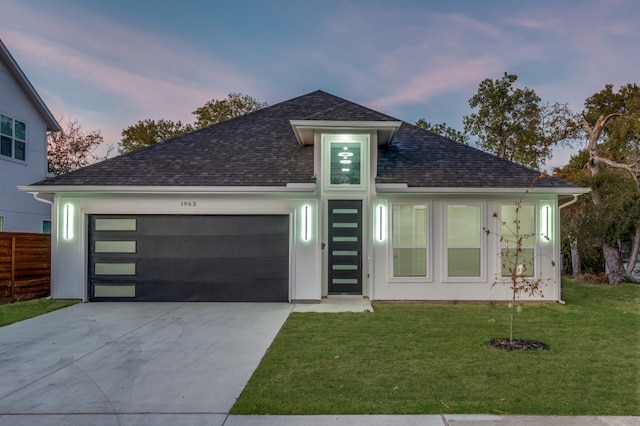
(335, 305)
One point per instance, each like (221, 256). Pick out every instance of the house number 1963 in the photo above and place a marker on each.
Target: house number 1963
(187, 203)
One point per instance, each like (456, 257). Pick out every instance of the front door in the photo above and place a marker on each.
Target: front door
(345, 247)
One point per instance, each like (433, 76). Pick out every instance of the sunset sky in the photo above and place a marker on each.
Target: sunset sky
(111, 63)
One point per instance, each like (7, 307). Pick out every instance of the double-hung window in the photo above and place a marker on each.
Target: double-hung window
(517, 240)
(410, 240)
(13, 137)
(464, 240)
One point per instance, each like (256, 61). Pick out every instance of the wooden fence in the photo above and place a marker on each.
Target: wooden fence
(25, 266)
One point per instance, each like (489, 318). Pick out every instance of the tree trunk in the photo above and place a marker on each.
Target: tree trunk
(635, 249)
(615, 267)
(576, 260)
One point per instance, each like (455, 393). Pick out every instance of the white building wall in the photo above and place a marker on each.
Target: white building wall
(20, 211)
(69, 256)
(437, 286)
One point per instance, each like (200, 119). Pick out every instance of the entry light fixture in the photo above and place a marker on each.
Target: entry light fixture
(68, 222)
(306, 222)
(381, 222)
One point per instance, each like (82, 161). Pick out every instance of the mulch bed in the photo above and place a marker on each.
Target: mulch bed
(518, 345)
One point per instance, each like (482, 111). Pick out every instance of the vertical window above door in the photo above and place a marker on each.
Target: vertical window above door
(345, 160)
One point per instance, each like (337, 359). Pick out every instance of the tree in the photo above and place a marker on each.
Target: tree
(443, 130)
(216, 111)
(513, 123)
(611, 123)
(514, 235)
(71, 148)
(148, 132)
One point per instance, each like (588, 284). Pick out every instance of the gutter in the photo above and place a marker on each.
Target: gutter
(403, 188)
(50, 202)
(122, 189)
(568, 203)
(560, 207)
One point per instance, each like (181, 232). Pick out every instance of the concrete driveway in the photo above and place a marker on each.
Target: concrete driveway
(133, 363)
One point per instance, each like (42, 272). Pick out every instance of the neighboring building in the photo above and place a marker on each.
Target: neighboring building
(313, 197)
(24, 123)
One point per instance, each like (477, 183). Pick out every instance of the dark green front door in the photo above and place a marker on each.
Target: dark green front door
(345, 247)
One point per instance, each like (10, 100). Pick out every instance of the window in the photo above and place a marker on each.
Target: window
(464, 242)
(1, 223)
(517, 223)
(46, 226)
(13, 136)
(410, 237)
(345, 161)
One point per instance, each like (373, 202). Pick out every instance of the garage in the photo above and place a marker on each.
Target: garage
(204, 258)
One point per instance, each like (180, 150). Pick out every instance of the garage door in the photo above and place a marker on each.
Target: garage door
(159, 258)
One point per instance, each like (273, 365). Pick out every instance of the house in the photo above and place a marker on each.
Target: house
(312, 197)
(24, 123)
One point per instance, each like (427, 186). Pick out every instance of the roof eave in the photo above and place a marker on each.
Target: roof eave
(23, 81)
(106, 189)
(305, 129)
(403, 188)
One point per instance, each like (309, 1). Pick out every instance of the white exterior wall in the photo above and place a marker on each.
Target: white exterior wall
(437, 286)
(69, 256)
(20, 211)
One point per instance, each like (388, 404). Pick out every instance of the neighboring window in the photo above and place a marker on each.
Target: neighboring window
(1, 223)
(345, 163)
(13, 136)
(46, 226)
(410, 238)
(464, 241)
(517, 223)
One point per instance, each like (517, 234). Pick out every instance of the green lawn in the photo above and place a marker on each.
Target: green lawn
(429, 359)
(22, 310)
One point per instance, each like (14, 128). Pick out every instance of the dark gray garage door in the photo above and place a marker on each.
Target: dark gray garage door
(189, 258)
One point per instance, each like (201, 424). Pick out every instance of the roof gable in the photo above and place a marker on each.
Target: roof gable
(25, 84)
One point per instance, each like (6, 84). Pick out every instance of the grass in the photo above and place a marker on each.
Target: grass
(431, 359)
(22, 310)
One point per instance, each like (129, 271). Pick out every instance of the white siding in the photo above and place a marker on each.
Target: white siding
(21, 212)
(438, 286)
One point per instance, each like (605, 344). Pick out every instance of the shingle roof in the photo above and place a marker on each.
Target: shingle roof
(260, 149)
(423, 159)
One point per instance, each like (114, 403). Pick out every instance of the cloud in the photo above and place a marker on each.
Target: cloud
(146, 72)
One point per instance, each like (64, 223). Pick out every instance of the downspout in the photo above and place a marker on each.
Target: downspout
(568, 203)
(50, 202)
(560, 207)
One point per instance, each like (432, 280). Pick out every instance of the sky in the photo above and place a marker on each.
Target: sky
(110, 63)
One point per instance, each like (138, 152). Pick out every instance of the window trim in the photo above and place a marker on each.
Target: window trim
(428, 278)
(15, 140)
(445, 243)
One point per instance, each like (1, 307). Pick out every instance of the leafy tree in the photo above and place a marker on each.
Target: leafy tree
(71, 148)
(611, 124)
(148, 132)
(443, 130)
(513, 123)
(216, 111)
